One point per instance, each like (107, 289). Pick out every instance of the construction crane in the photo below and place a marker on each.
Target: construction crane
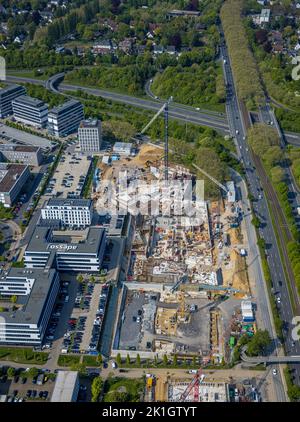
(194, 384)
(164, 109)
(211, 178)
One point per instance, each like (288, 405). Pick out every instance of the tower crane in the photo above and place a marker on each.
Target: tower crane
(164, 109)
(194, 384)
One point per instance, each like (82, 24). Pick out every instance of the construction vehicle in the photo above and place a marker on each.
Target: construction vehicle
(194, 384)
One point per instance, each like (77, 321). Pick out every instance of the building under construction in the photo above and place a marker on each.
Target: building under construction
(205, 391)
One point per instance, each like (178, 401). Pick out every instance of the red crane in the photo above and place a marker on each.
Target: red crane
(194, 384)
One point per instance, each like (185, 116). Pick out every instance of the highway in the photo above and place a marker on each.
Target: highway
(215, 120)
(238, 129)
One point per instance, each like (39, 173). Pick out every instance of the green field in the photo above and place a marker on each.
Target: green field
(23, 355)
(123, 390)
(68, 360)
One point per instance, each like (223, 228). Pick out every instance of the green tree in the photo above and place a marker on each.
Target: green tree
(33, 372)
(11, 372)
(259, 343)
(138, 360)
(165, 360)
(175, 360)
(127, 360)
(80, 278)
(96, 388)
(119, 359)
(14, 299)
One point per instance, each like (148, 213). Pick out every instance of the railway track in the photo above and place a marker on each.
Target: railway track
(284, 233)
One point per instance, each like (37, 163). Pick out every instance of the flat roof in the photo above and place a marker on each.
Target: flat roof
(65, 384)
(35, 301)
(123, 145)
(9, 88)
(61, 108)
(45, 239)
(26, 100)
(19, 148)
(63, 202)
(9, 175)
(89, 123)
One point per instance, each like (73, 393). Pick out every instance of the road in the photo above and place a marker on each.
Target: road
(238, 129)
(215, 120)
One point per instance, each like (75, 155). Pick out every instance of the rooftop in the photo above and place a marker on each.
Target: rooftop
(35, 301)
(90, 123)
(64, 386)
(86, 241)
(62, 202)
(26, 100)
(9, 174)
(9, 88)
(19, 148)
(63, 107)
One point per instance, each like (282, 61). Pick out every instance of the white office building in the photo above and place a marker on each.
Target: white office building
(36, 290)
(7, 95)
(66, 250)
(68, 212)
(30, 111)
(90, 135)
(65, 119)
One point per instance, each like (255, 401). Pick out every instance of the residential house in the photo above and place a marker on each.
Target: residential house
(171, 50)
(102, 47)
(126, 45)
(158, 49)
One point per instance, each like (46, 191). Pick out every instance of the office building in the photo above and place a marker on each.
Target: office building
(68, 212)
(7, 95)
(90, 135)
(65, 119)
(30, 111)
(25, 154)
(68, 250)
(36, 290)
(66, 387)
(12, 179)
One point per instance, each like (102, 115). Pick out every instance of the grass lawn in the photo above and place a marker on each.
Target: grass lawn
(91, 361)
(123, 389)
(26, 73)
(23, 355)
(68, 360)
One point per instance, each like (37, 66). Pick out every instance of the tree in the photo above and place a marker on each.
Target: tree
(119, 359)
(99, 359)
(80, 278)
(127, 360)
(11, 372)
(259, 343)
(14, 299)
(92, 279)
(175, 360)
(165, 360)
(138, 360)
(33, 372)
(96, 388)
(256, 222)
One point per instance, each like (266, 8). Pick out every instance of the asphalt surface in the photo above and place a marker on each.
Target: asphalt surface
(237, 127)
(217, 121)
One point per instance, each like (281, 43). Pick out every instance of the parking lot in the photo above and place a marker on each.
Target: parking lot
(83, 328)
(22, 388)
(69, 178)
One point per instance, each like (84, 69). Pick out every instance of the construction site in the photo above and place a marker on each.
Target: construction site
(202, 388)
(186, 256)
